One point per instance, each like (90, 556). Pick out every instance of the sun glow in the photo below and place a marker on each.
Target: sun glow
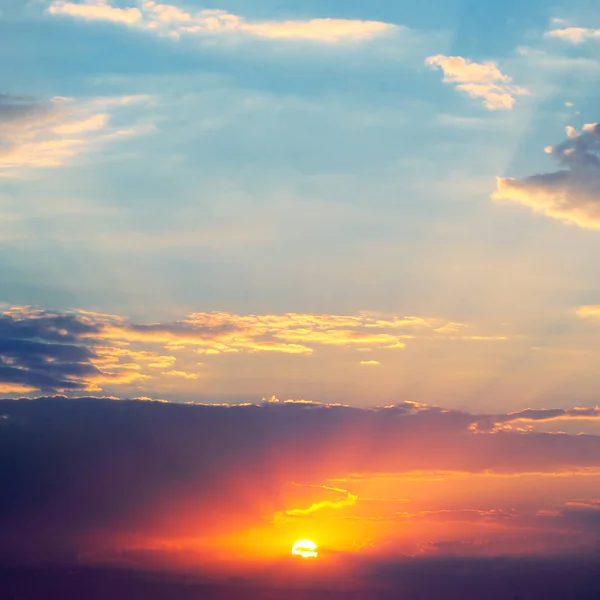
(305, 549)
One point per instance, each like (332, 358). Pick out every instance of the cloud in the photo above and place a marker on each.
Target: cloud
(108, 471)
(571, 195)
(49, 133)
(478, 80)
(169, 20)
(591, 310)
(532, 416)
(46, 352)
(344, 499)
(574, 35)
(109, 350)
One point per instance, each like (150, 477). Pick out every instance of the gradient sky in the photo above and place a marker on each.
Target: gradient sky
(348, 204)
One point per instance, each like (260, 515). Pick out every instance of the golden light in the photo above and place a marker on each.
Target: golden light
(305, 549)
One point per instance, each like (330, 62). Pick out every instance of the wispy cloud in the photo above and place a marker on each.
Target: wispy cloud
(38, 133)
(572, 194)
(170, 20)
(483, 81)
(574, 35)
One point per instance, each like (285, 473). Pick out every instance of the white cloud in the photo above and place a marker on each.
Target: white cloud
(478, 80)
(169, 20)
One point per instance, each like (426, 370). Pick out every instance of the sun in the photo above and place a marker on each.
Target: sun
(305, 549)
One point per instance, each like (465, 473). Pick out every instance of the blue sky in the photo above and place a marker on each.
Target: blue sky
(164, 160)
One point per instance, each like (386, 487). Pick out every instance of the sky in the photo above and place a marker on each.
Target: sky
(280, 270)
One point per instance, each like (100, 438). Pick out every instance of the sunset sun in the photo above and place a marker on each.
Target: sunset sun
(305, 549)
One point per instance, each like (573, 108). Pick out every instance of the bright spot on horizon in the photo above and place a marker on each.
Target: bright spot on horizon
(305, 549)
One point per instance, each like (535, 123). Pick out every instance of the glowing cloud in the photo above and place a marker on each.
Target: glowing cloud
(591, 310)
(571, 195)
(478, 80)
(169, 20)
(83, 350)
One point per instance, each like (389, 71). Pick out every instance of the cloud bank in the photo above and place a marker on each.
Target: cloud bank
(105, 474)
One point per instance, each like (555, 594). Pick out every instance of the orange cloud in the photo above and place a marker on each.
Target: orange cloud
(347, 500)
(592, 310)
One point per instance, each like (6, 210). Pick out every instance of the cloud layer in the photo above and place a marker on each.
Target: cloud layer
(79, 350)
(105, 474)
(571, 195)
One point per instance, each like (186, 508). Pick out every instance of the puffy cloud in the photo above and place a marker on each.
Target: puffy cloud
(574, 35)
(571, 195)
(166, 19)
(478, 80)
(38, 133)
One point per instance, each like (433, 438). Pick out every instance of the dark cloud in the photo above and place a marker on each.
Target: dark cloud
(46, 352)
(71, 467)
(571, 195)
(532, 416)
